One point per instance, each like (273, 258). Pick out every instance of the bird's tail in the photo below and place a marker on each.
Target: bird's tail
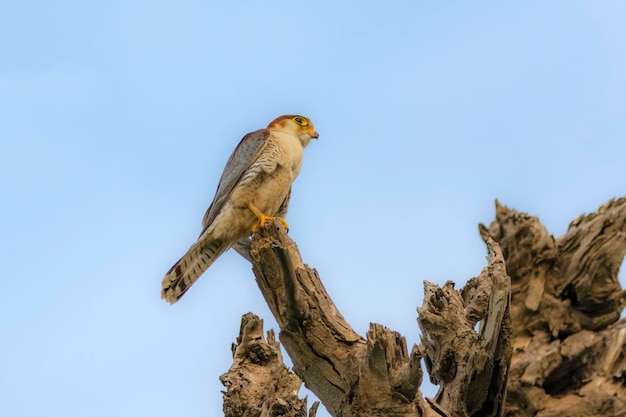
(189, 268)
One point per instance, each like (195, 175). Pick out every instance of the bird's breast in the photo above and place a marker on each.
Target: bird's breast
(290, 150)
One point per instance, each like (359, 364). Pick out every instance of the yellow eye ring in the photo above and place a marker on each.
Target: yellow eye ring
(302, 121)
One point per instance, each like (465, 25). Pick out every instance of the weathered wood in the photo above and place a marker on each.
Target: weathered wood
(568, 357)
(545, 342)
(258, 384)
(376, 376)
(470, 367)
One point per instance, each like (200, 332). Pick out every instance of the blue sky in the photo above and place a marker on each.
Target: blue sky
(118, 117)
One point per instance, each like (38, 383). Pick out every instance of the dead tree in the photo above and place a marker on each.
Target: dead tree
(548, 343)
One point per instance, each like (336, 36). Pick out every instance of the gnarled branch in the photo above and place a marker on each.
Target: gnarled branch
(551, 330)
(470, 367)
(258, 383)
(377, 376)
(568, 357)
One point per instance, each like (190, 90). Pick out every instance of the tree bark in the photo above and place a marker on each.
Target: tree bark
(536, 333)
(377, 375)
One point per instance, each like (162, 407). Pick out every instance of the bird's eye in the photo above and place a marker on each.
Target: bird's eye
(300, 120)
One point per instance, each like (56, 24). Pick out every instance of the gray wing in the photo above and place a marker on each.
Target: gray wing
(242, 157)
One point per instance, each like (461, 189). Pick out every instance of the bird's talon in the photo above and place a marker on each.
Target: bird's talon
(261, 223)
(264, 219)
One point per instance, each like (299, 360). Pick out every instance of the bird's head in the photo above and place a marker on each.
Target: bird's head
(298, 126)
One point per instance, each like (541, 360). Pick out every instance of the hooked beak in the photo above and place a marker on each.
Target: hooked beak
(314, 134)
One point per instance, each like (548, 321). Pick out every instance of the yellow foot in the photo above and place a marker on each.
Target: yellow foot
(263, 218)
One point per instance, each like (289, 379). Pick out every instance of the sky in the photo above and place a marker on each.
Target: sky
(117, 117)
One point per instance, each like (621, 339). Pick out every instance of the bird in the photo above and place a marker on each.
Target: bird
(255, 187)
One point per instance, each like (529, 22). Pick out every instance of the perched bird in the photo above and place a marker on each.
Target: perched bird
(255, 186)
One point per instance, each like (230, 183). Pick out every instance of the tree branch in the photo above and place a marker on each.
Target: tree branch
(258, 384)
(470, 367)
(551, 331)
(377, 376)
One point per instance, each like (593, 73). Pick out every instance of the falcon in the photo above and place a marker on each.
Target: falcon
(254, 188)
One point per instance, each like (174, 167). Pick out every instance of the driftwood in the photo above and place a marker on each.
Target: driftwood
(544, 342)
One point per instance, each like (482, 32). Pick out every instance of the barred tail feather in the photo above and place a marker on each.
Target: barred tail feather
(189, 268)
